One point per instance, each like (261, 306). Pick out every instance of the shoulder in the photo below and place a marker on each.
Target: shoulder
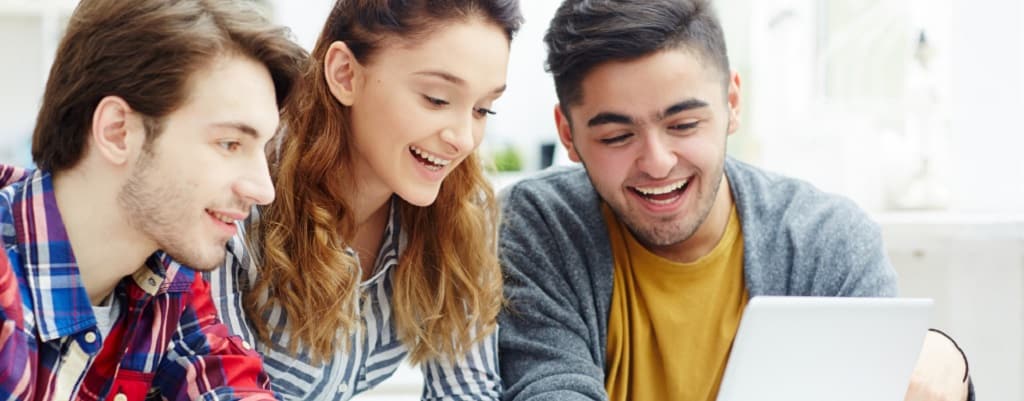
(770, 202)
(10, 291)
(11, 174)
(7, 229)
(11, 191)
(804, 241)
(558, 193)
(548, 209)
(12, 182)
(14, 293)
(554, 182)
(553, 234)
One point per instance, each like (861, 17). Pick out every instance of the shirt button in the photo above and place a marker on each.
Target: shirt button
(120, 397)
(246, 345)
(343, 388)
(90, 337)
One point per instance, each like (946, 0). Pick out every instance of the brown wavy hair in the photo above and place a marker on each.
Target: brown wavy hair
(447, 285)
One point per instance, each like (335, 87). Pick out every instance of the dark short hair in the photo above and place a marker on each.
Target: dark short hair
(145, 51)
(587, 33)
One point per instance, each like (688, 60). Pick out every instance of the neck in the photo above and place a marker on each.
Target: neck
(105, 246)
(370, 209)
(366, 207)
(369, 196)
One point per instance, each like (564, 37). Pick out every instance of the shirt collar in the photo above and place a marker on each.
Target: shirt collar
(60, 302)
(392, 245)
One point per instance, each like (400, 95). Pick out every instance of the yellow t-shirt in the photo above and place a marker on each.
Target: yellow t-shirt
(672, 324)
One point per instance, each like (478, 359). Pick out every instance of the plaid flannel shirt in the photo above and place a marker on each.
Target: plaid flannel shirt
(166, 344)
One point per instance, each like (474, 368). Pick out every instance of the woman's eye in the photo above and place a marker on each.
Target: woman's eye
(435, 101)
(484, 112)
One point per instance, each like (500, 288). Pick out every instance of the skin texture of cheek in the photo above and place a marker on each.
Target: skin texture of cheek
(168, 211)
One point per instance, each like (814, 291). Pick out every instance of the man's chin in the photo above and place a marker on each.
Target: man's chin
(661, 233)
(200, 263)
(203, 267)
(659, 241)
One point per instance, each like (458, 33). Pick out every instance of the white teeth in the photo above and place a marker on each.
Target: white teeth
(436, 160)
(662, 190)
(222, 218)
(661, 202)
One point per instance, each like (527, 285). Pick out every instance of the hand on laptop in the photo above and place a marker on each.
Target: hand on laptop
(939, 373)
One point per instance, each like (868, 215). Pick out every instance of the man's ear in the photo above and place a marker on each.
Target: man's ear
(342, 72)
(116, 133)
(565, 133)
(734, 102)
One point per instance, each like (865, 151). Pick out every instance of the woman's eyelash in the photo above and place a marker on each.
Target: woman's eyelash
(435, 101)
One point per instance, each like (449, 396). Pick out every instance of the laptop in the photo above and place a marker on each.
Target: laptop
(825, 349)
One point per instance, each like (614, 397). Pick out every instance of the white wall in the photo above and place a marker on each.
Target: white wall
(988, 96)
(305, 18)
(526, 110)
(31, 32)
(22, 82)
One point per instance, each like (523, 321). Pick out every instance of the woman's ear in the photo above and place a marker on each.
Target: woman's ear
(342, 72)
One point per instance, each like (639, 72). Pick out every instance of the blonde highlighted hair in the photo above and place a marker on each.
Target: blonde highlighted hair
(447, 287)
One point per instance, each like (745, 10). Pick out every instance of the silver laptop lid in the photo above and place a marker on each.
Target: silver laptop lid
(816, 349)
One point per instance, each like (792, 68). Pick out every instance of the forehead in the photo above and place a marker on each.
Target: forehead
(231, 88)
(472, 49)
(650, 83)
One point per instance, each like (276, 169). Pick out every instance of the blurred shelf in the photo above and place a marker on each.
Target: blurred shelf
(948, 218)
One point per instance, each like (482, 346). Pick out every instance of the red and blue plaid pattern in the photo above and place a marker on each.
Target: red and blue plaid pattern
(167, 343)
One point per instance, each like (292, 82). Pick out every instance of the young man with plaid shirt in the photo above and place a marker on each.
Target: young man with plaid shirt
(150, 146)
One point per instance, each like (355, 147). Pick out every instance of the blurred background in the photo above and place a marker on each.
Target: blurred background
(909, 107)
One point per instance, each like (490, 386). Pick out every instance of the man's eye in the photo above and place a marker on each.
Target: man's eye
(230, 146)
(684, 127)
(615, 139)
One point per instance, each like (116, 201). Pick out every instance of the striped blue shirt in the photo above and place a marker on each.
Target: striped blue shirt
(375, 351)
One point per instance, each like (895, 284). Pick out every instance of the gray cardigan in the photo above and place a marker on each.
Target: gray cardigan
(558, 264)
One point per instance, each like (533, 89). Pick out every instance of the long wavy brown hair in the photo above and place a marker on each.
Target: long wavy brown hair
(447, 285)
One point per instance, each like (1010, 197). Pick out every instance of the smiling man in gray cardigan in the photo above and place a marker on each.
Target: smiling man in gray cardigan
(626, 279)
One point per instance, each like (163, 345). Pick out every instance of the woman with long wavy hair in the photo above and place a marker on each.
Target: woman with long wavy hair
(381, 243)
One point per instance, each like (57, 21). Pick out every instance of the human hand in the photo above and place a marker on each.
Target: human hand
(939, 373)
